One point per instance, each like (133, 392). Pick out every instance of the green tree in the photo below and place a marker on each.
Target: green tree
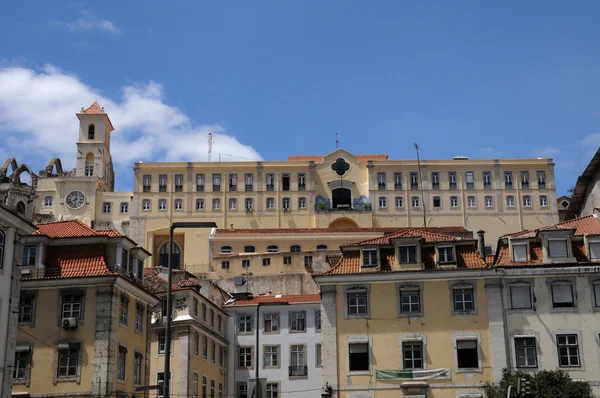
(544, 384)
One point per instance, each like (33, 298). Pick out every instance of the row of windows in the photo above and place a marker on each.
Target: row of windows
(107, 207)
(557, 248)
(232, 180)
(232, 204)
(270, 249)
(562, 295)
(271, 322)
(215, 358)
(272, 390)
(454, 202)
(469, 180)
(410, 300)
(207, 315)
(271, 358)
(468, 353)
(287, 260)
(68, 363)
(160, 380)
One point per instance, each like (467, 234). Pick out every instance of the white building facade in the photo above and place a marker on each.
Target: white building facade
(289, 345)
(551, 284)
(13, 229)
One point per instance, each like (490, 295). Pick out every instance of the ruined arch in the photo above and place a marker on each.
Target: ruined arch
(54, 164)
(4, 169)
(16, 177)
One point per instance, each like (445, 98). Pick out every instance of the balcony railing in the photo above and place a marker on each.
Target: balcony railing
(146, 188)
(470, 185)
(232, 188)
(541, 184)
(397, 186)
(270, 187)
(298, 371)
(381, 186)
(249, 187)
(487, 185)
(199, 188)
(436, 185)
(301, 187)
(509, 184)
(452, 185)
(414, 186)
(178, 188)
(162, 188)
(216, 188)
(524, 184)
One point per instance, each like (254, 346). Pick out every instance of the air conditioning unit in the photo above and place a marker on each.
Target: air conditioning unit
(69, 323)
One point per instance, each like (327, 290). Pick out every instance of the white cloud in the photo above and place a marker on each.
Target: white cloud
(488, 152)
(91, 24)
(546, 152)
(591, 140)
(37, 122)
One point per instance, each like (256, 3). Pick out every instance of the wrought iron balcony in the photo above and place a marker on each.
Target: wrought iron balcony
(298, 371)
(216, 188)
(487, 185)
(162, 188)
(381, 186)
(232, 188)
(270, 187)
(509, 184)
(397, 186)
(452, 185)
(178, 188)
(146, 188)
(524, 184)
(470, 185)
(249, 187)
(414, 186)
(301, 187)
(199, 188)
(541, 184)
(435, 185)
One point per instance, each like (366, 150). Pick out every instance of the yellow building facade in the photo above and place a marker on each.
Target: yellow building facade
(199, 345)
(406, 315)
(338, 190)
(84, 314)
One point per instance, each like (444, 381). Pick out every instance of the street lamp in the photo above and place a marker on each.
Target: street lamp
(167, 371)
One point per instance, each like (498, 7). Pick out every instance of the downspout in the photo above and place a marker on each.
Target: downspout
(504, 321)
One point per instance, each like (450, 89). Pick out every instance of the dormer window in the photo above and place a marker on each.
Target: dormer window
(594, 250)
(408, 254)
(557, 248)
(519, 252)
(446, 254)
(369, 257)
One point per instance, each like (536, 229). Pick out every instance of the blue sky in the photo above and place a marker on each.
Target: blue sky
(279, 78)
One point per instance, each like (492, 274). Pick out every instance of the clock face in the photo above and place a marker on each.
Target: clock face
(75, 199)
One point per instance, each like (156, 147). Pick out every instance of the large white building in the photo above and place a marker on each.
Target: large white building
(289, 341)
(13, 229)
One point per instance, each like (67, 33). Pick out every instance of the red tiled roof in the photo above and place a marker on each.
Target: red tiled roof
(263, 231)
(76, 261)
(65, 229)
(94, 109)
(588, 225)
(284, 299)
(429, 237)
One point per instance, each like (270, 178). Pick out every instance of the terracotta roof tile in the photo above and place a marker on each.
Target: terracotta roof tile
(76, 261)
(536, 255)
(262, 231)
(65, 229)
(588, 225)
(94, 109)
(429, 237)
(284, 299)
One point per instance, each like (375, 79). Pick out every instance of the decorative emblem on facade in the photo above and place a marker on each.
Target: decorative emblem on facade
(340, 166)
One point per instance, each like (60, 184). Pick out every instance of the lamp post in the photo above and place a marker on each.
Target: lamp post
(167, 370)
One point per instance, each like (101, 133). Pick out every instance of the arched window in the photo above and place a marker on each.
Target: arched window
(295, 248)
(163, 259)
(226, 250)
(89, 164)
(249, 249)
(272, 249)
(322, 247)
(1, 249)
(21, 208)
(91, 132)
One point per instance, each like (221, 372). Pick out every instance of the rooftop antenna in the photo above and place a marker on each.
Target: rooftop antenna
(421, 183)
(210, 142)
(337, 141)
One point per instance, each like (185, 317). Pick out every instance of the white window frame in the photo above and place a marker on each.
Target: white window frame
(520, 245)
(200, 204)
(146, 205)
(178, 205)
(472, 285)
(270, 203)
(516, 285)
(489, 202)
(410, 288)
(399, 202)
(274, 352)
(415, 202)
(471, 202)
(446, 261)
(232, 204)
(216, 204)
(468, 336)
(408, 254)
(543, 201)
(162, 205)
(107, 207)
(382, 202)
(527, 201)
(510, 201)
(565, 240)
(527, 365)
(302, 203)
(454, 202)
(370, 257)
(348, 290)
(48, 201)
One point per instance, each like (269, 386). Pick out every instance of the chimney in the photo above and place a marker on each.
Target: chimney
(481, 243)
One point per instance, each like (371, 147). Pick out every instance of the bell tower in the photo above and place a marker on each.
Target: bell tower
(93, 147)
